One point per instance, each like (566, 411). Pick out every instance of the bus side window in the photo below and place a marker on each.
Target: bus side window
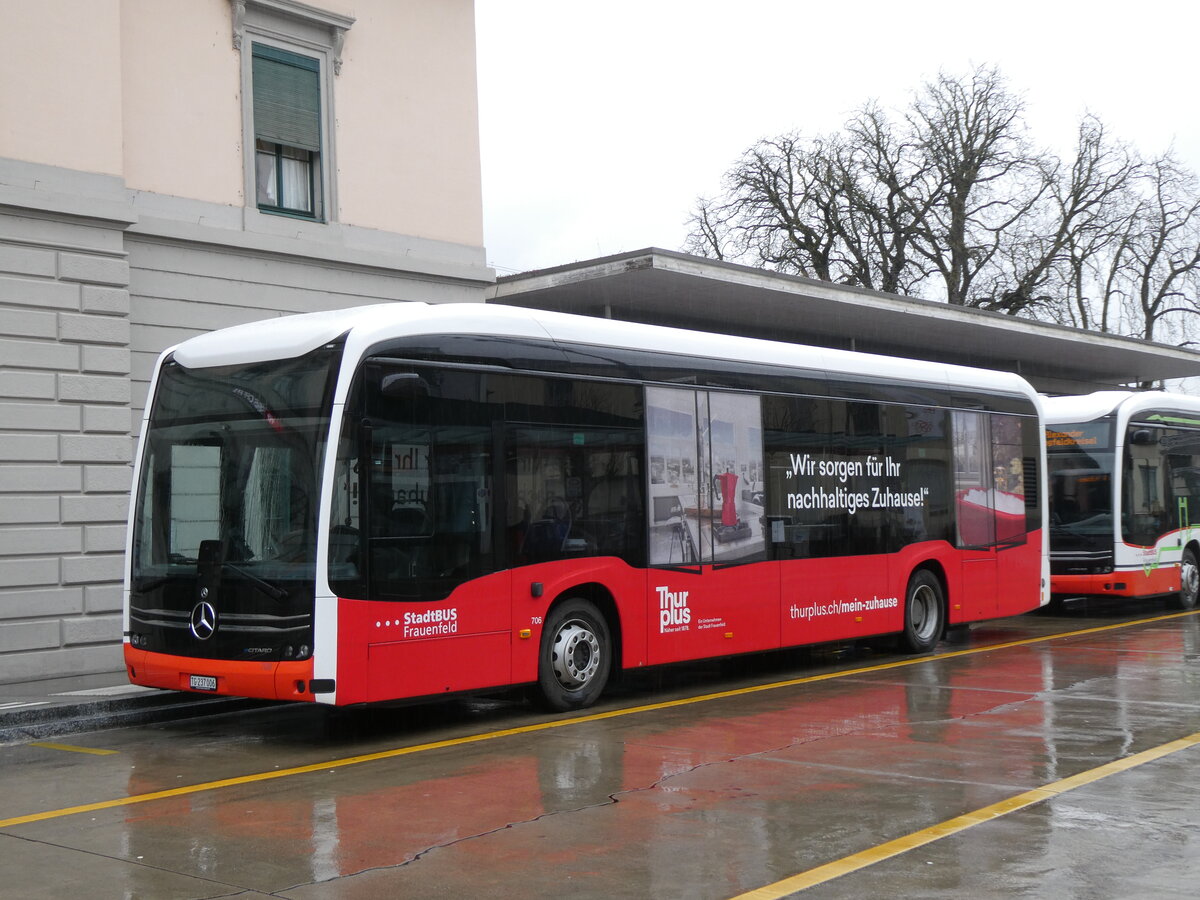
(918, 444)
(573, 470)
(975, 524)
(1183, 463)
(1147, 513)
(572, 491)
(416, 456)
(1008, 477)
(796, 433)
(863, 447)
(992, 453)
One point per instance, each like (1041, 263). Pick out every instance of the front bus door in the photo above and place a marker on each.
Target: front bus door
(429, 501)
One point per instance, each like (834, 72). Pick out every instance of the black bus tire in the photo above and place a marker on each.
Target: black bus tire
(575, 658)
(1189, 580)
(924, 612)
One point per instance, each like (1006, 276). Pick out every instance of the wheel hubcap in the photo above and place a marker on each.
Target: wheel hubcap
(575, 655)
(1190, 581)
(923, 612)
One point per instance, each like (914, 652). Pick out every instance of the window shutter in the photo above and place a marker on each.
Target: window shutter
(287, 98)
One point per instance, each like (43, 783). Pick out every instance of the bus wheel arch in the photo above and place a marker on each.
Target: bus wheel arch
(925, 605)
(579, 648)
(1189, 577)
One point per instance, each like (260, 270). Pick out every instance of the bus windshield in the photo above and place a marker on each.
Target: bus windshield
(1080, 462)
(228, 494)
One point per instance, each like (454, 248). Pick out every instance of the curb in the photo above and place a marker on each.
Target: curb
(38, 719)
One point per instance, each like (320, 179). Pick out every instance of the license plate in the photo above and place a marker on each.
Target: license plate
(202, 682)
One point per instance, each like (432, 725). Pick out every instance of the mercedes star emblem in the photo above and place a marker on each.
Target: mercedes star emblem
(204, 621)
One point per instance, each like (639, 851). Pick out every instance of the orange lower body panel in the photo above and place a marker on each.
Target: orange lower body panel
(1138, 583)
(239, 678)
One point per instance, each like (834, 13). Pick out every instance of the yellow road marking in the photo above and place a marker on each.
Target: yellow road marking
(554, 723)
(872, 855)
(72, 748)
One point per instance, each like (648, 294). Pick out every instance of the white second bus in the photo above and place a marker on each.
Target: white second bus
(1124, 471)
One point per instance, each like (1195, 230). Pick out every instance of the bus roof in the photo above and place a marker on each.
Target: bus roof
(1089, 407)
(366, 326)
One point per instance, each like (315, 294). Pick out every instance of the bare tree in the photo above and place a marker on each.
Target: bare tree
(951, 200)
(885, 180)
(835, 208)
(778, 210)
(884, 205)
(709, 231)
(1158, 266)
(985, 177)
(1082, 211)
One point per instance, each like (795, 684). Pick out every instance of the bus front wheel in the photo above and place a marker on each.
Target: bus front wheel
(1189, 580)
(576, 656)
(923, 612)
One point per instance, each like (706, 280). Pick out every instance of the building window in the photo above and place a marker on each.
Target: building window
(287, 131)
(291, 52)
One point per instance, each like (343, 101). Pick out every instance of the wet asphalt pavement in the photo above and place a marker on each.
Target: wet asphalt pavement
(851, 764)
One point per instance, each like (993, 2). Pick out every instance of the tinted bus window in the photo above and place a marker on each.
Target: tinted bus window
(858, 445)
(1008, 477)
(1161, 482)
(573, 468)
(995, 478)
(1146, 508)
(413, 488)
(1182, 452)
(917, 439)
(430, 483)
(796, 432)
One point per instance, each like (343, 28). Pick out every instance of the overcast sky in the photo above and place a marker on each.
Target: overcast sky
(602, 120)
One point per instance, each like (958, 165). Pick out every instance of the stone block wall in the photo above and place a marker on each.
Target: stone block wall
(95, 281)
(65, 424)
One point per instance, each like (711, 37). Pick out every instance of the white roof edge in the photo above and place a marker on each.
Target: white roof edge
(288, 336)
(282, 337)
(1089, 407)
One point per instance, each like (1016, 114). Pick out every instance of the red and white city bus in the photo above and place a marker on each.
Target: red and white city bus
(1124, 471)
(411, 500)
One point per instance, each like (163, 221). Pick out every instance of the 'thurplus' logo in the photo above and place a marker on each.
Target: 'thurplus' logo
(673, 611)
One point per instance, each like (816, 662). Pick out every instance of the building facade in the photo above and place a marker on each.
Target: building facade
(168, 167)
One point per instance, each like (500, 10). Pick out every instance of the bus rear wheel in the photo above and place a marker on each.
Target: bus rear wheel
(1189, 581)
(575, 657)
(923, 612)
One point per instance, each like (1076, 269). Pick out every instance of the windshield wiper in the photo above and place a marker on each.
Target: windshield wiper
(152, 584)
(273, 591)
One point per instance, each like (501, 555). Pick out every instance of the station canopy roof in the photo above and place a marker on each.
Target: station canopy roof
(668, 288)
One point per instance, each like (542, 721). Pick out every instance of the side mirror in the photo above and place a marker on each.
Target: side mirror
(404, 384)
(1142, 437)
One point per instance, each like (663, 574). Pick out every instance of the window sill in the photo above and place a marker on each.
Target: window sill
(289, 214)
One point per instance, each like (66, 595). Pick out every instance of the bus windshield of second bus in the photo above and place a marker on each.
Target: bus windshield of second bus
(1079, 461)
